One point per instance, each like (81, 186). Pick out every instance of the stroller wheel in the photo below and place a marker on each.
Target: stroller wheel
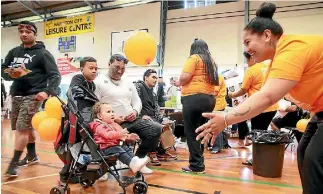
(140, 187)
(86, 183)
(60, 190)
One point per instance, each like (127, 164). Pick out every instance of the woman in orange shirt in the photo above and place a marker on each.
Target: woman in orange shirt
(198, 79)
(296, 69)
(253, 80)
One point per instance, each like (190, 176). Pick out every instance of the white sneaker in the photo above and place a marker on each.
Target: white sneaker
(146, 170)
(137, 164)
(104, 177)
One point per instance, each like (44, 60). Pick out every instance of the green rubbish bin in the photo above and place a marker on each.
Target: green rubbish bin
(268, 159)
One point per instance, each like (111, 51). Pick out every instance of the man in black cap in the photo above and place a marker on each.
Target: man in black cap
(35, 76)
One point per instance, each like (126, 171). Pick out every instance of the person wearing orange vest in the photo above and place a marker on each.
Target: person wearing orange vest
(296, 69)
(220, 105)
(220, 92)
(253, 80)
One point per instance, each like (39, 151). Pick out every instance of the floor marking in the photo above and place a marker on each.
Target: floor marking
(16, 190)
(175, 189)
(31, 178)
(230, 178)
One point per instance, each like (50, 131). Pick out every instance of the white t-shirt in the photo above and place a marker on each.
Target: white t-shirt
(122, 95)
(172, 91)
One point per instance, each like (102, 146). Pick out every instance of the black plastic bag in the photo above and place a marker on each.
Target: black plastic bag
(270, 137)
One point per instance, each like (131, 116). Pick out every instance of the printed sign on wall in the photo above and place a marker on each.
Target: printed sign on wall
(67, 44)
(69, 26)
(233, 85)
(65, 67)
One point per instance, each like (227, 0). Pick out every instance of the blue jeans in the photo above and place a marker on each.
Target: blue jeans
(218, 144)
(124, 153)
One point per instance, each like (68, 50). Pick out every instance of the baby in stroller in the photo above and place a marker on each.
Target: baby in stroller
(109, 136)
(76, 137)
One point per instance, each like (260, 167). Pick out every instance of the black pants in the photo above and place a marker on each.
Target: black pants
(289, 120)
(243, 129)
(310, 156)
(262, 121)
(193, 107)
(149, 133)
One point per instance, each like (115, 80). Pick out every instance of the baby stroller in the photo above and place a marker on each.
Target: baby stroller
(73, 128)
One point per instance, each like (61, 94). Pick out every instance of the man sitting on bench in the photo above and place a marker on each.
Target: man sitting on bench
(150, 108)
(123, 97)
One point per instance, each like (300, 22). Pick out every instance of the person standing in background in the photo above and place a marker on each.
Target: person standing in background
(198, 79)
(3, 97)
(161, 92)
(253, 80)
(172, 90)
(220, 105)
(35, 76)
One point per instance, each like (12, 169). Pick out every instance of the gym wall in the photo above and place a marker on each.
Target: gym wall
(221, 27)
(97, 43)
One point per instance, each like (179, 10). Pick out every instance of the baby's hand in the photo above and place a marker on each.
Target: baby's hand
(123, 134)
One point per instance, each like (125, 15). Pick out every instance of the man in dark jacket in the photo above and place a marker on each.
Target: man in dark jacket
(161, 92)
(35, 76)
(150, 108)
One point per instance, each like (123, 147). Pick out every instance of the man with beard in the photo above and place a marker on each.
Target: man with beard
(150, 109)
(35, 76)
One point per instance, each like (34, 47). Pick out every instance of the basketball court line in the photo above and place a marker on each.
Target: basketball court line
(230, 178)
(175, 189)
(16, 190)
(31, 178)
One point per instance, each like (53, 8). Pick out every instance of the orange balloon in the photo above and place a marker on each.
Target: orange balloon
(302, 124)
(38, 118)
(141, 48)
(48, 129)
(53, 108)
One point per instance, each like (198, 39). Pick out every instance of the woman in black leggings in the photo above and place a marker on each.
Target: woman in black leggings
(198, 78)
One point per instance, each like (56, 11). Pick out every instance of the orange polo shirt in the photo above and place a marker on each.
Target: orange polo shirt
(220, 92)
(198, 84)
(300, 58)
(254, 79)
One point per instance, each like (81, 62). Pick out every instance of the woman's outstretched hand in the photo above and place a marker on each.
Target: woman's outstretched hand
(212, 128)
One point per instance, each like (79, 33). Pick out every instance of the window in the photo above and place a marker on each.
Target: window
(211, 2)
(190, 4)
(200, 3)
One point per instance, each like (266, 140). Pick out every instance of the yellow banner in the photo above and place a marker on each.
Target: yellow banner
(69, 26)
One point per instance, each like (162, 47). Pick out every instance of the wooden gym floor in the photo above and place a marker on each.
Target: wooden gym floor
(224, 174)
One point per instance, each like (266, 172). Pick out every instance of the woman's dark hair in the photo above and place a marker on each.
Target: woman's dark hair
(247, 55)
(264, 20)
(148, 72)
(86, 59)
(199, 47)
